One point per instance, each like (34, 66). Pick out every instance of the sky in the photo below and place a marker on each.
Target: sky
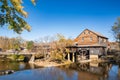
(68, 17)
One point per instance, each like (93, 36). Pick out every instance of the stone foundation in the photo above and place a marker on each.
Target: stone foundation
(93, 57)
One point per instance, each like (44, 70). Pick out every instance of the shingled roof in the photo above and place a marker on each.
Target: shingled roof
(97, 33)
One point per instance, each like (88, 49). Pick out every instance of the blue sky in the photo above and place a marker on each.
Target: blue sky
(68, 17)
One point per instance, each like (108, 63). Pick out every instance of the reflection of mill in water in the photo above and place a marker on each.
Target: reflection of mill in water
(96, 68)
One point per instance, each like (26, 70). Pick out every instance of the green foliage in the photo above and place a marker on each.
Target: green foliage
(12, 13)
(21, 57)
(13, 57)
(16, 57)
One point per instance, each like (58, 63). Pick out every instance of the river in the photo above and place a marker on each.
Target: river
(77, 71)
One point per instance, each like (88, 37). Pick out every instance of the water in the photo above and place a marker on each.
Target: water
(16, 66)
(88, 71)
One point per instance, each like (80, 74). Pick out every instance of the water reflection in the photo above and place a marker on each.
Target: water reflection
(78, 71)
(96, 71)
(41, 74)
(113, 73)
(7, 65)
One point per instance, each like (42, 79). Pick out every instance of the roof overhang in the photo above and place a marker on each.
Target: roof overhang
(86, 46)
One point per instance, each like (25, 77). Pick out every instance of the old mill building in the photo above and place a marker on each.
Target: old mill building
(88, 45)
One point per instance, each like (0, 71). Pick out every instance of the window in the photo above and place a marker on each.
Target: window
(88, 32)
(100, 40)
(82, 39)
(84, 32)
(91, 38)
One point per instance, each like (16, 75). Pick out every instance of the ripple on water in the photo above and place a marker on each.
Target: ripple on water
(51, 73)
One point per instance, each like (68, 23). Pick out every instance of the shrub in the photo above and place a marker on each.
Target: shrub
(21, 57)
(57, 56)
(16, 57)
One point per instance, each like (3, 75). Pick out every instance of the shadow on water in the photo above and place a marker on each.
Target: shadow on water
(76, 71)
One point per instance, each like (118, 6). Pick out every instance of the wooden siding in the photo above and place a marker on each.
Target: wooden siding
(88, 37)
(85, 38)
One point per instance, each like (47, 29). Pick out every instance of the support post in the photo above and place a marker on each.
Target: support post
(73, 57)
(32, 59)
(68, 56)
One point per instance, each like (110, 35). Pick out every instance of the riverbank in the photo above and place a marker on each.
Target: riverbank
(50, 64)
(47, 63)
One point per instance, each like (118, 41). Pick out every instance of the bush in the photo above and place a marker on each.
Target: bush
(57, 56)
(21, 57)
(16, 57)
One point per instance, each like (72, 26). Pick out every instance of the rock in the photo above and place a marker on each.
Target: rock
(9, 71)
(6, 72)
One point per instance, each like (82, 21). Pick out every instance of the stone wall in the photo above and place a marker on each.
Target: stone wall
(93, 57)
